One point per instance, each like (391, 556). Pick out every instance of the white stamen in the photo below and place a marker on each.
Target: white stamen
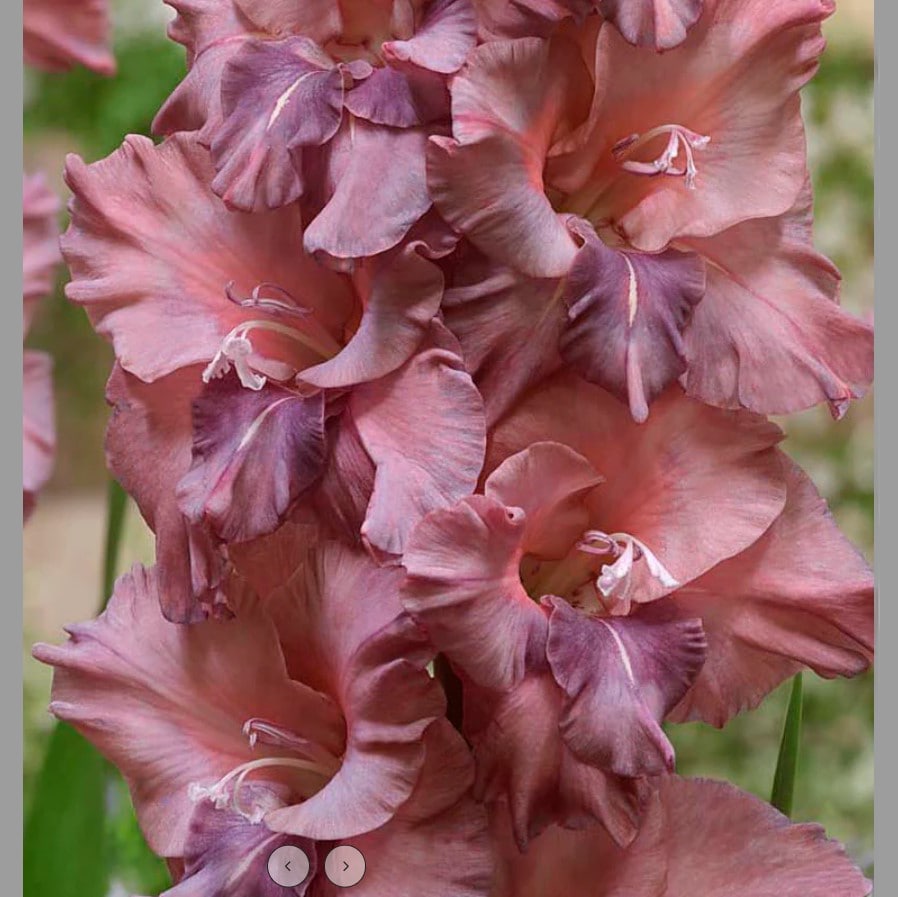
(223, 796)
(615, 579)
(236, 350)
(680, 138)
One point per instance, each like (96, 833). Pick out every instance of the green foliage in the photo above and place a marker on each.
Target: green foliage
(69, 801)
(100, 111)
(790, 748)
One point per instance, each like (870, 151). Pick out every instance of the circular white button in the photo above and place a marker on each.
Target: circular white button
(344, 866)
(288, 866)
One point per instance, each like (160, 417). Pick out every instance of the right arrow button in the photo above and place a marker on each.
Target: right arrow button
(345, 866)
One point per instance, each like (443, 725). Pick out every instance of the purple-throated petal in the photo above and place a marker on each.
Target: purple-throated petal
(399, 98)
(276, 96)
(626, 315)
(255, 454)
(621, 677)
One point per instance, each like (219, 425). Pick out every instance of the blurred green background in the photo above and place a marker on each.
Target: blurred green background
(83, 113)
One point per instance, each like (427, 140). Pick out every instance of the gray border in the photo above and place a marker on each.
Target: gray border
(885, 515)
(11, 377)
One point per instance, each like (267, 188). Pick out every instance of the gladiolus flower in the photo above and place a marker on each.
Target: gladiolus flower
(308, 99)
(307, 720)
(590, 587)
(252, 370)
(609, 182)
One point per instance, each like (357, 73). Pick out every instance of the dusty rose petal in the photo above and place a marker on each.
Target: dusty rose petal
(438, 812)
(372, 662)
(199, 24)
(365, 216)
(699, 839)
(317, 19)
(661, 476)
(255, 454)
(522, 759)
(769, 334)
(276, 97)
(401, 293)
(661, 24)
(58, 34)
(486, 191)
(153, 251)
(626, 317)
(40, 243)
(38, 426)
(748, 846)
(549, 483)
(801, 596)
(508, 104)
(526, 18)
(621, 677)
(464, 587)
(167, 703)
(508, 325)
(153, 421)
(423, 428)
(399, 98)
(447, 33)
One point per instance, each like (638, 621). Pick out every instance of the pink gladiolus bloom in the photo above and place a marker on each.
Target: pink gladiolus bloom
(40, 255)
(592, 588)
(646, 218)
(700, 839)
(309, 718)
(251, 379)
(61, 33)
(328, 101)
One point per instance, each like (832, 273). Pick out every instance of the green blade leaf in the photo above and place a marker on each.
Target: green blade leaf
(787, 762)
(64, 854)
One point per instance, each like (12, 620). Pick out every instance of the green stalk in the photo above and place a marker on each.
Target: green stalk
(787, 762)
(116, 503)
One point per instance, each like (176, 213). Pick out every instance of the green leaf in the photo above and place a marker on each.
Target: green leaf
(64, 855)
(787, 762)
